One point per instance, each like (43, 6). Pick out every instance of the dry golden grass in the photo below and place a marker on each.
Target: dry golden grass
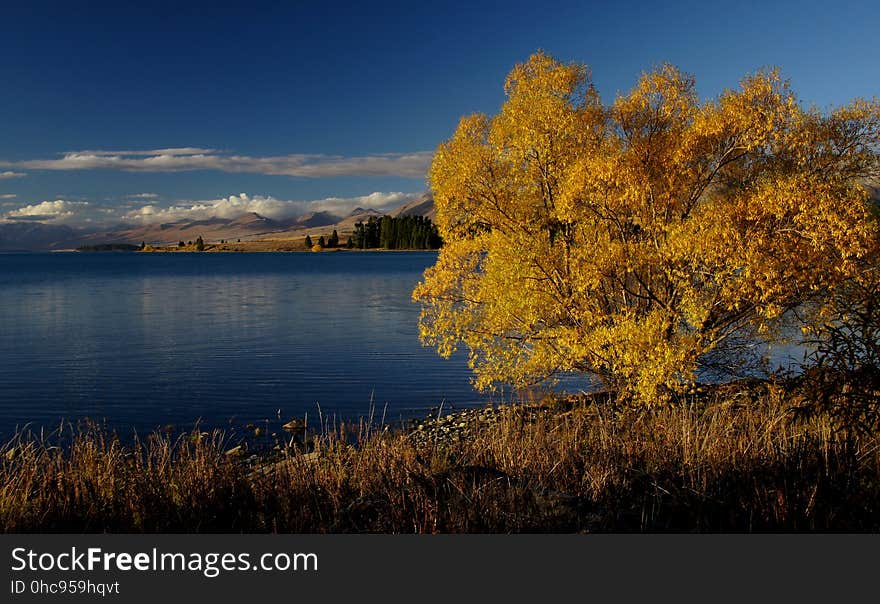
(745, 460)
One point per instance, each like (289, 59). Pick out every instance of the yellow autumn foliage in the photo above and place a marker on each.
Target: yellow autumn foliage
(631, 241)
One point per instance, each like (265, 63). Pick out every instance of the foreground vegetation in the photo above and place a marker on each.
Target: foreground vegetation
(755, 456)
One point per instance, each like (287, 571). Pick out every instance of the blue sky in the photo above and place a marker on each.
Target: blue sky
(314, 100)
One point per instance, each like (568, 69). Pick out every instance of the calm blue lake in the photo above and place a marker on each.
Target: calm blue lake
(145, 340)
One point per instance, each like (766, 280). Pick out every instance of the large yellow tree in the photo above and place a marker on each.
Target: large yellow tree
(635, 241)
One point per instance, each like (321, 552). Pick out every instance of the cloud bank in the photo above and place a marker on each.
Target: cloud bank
(58, 211)
(270, 207)
(83, 213)
(10, 174)
(183, 159)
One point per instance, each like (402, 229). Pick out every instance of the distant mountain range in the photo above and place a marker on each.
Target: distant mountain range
(28, 235)
(36, 236)
(421, 206)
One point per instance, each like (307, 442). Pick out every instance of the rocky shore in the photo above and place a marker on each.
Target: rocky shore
(456, 426)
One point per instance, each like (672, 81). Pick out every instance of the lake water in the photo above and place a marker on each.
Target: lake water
(145, 340)
(142, 341)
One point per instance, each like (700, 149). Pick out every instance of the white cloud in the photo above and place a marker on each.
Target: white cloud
(412, 165)
(167, 151)
(59, 210)
(270, 207)
(143, 196)
(84, 212)
(8, 196)
(227, 207)
(375, 201)
(11, 174)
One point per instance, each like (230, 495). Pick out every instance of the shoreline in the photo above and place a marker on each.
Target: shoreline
(215, 251)
(212, 249)
(742, 457)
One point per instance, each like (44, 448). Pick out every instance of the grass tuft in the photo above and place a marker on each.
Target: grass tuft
(738, 459)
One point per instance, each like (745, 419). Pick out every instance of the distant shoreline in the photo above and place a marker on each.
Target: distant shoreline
(210, 250)
(268, 249)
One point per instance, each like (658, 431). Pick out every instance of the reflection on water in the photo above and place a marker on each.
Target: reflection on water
(146, 340)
